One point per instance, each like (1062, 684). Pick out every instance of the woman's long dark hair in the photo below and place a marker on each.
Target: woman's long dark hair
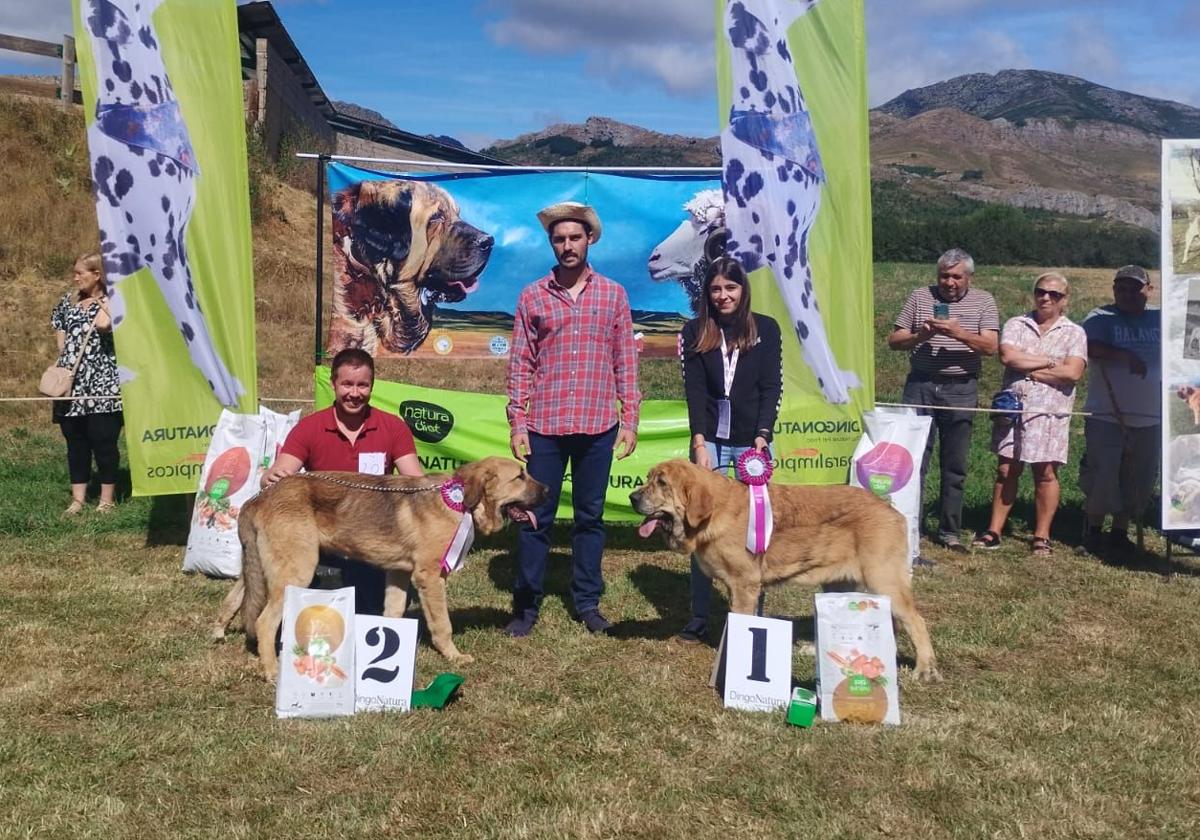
(744, 333)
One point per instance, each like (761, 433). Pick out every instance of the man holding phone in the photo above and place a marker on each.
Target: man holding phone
(947, 328)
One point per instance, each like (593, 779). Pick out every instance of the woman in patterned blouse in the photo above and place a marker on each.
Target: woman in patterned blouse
(1044, 354)
(92, 424)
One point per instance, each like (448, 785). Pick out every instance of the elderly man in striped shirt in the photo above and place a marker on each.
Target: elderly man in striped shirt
(947, 328)
(573, 357)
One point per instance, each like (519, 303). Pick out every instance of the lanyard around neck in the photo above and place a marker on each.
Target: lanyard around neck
(729, 361)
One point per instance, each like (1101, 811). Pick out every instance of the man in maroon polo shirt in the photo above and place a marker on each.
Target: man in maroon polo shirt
(351, 436)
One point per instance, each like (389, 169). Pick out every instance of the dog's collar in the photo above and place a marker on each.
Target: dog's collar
(453, 495)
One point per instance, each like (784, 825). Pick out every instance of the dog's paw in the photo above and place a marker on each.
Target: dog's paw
(217, 634)
(461, 659)
(928, 674)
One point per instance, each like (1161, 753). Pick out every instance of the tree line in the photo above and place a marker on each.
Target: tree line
(909, 228)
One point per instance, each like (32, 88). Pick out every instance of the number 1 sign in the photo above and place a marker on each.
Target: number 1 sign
(385, 653)
(758, 663)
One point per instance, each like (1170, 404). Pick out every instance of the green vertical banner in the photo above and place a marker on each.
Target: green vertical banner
(792, 94)
(162, 95)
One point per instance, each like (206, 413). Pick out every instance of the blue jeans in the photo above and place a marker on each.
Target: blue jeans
(724, 459)
(590, 458)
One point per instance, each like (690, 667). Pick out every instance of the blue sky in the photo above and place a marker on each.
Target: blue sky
(480, 70)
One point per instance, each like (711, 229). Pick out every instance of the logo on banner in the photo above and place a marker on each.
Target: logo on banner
(498, 346)
(442, 344)
(428, 422)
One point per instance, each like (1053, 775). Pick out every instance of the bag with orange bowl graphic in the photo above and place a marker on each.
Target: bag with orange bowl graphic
(856, 658)
(316, 664)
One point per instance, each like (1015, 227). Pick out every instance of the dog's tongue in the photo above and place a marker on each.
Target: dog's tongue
(648, 527)
(521, 515)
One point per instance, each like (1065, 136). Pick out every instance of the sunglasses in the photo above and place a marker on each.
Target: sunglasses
(1053, 295)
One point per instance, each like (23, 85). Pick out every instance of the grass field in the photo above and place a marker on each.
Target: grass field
(1069, 707)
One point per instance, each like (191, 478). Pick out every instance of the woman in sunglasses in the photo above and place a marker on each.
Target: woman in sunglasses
(1044, 354)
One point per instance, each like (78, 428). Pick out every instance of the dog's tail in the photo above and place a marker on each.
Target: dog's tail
(253, 581)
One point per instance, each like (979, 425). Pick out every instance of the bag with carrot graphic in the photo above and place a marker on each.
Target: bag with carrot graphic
(242, 447)
(316, 663)
(856, 658)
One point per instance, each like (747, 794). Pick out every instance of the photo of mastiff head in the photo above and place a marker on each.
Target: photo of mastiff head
(400, 248)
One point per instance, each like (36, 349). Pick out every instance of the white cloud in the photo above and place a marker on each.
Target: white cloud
(37, 20)
(668, 43)
(1089, 50)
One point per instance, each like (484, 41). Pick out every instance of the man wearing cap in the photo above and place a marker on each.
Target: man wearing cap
(1122, 435)
(573, 357)
(946, 329)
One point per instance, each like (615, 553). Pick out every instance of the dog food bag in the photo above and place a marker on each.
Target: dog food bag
(856, 658)
(887, 461)
(276, 428)
(243, 447)
(316, 663)
(229, 480)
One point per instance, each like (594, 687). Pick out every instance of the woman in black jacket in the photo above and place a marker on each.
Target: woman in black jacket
(733, 380)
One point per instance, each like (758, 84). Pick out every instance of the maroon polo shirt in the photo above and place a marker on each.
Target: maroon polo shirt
(320, 445)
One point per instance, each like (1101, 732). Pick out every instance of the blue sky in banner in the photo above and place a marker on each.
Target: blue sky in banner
(636, 214)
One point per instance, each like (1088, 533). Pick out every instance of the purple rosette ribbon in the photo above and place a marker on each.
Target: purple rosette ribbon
(464, 535)
(754, 470)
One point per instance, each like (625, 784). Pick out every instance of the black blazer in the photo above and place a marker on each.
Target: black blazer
(755, 393)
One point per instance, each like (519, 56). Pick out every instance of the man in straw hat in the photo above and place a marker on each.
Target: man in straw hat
(573, 357)
(1122, 436)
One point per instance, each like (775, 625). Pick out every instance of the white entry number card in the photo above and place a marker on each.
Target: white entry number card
(758, 663)
(385, 651)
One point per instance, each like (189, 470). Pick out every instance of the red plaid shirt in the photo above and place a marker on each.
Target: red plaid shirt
(571, 359)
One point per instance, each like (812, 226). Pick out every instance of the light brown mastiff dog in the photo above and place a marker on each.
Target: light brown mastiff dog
(822, 535)
(399, 523)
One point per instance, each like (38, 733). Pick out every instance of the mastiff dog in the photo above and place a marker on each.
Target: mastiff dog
(400, 248)
(401, 524)
(822, 535)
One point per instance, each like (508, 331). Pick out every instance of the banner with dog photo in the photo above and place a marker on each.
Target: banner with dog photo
(162, 94)
(430, 265)
(792, 88)
(1181, 334)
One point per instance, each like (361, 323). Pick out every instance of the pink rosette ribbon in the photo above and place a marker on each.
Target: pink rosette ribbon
(464, 535)
(754, 470)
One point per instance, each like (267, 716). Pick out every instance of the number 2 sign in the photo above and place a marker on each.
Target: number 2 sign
(384, 654)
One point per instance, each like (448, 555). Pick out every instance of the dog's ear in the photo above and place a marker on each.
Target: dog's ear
(699, 502)
(345, 203)
(474, 479)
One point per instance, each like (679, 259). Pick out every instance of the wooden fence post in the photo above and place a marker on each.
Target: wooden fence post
(68, 72)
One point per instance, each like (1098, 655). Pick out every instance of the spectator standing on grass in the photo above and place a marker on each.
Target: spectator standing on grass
(573, 357)
(350, 436)
(1044, 354)
(1122, 437)
(732, 372)
(91, 425)
(947, 329)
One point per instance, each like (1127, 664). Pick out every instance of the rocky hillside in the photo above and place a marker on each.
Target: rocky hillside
(1021, 95)
(603, 142)
(1023, 138)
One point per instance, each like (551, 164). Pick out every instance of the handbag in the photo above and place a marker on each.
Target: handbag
(1008, 406)
(57, 381)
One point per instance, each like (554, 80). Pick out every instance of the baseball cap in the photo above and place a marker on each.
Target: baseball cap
(1132, 272)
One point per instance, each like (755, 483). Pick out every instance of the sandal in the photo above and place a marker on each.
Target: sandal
(106, 507)
(73, 509)
(986, 539)
(1041, 547)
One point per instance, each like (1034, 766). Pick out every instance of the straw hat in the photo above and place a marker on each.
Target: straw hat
(571, 211)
